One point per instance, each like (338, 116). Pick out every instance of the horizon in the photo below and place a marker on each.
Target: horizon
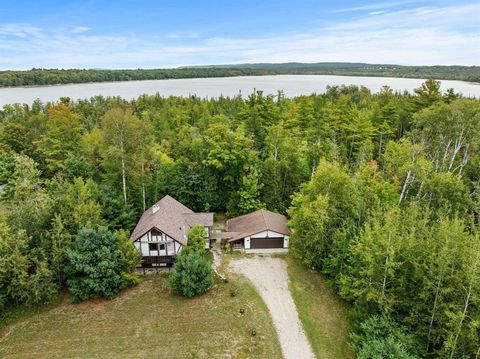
(149, 35)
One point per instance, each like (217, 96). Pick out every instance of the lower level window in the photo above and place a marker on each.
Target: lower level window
(156, 246)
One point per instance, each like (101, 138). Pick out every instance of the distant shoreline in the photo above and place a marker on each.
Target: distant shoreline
(55, 77)
(213, 77)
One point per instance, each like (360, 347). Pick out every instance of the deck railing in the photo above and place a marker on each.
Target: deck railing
(148, 261)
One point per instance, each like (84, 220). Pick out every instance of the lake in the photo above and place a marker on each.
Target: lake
(292, 85)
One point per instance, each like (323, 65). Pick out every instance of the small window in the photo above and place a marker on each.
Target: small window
(162, 247)
(153, 246)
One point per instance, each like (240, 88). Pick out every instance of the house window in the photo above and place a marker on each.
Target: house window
(162, 247)
(156, 235)
(153, 246)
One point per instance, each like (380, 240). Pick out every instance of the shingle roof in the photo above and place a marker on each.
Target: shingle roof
(199, 218)
(172, 218)
(255, 222)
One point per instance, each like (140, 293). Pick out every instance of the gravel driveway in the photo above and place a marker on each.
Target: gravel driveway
(270, 278)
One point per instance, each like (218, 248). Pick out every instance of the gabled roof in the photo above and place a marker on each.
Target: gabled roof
(199, 218)
(172, 218)
(256, 222)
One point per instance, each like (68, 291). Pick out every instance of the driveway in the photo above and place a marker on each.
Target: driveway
(270, 278)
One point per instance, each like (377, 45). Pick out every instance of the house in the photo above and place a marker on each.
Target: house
(162, 231)
(259, 231)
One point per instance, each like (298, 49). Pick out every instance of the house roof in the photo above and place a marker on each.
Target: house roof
(256, 222)
(172, 218)
(199, 218)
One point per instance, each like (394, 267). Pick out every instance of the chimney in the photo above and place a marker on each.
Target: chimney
(155, 208)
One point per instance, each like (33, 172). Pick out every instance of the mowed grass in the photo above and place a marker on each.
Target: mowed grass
(322, 312)
(149, 321)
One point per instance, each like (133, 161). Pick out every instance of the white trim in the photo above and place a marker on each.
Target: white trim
(266, 250)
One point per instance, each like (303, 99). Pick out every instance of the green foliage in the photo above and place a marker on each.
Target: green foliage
(13, 266)
(58, 242)
(118, 214)
(77, 166)
(247, 198)
(54, 76)
(125, 141)
(95, 266)
(380, 337)
(130, 258)
(192, 275)
(7, 166)
(78, 204)
(28, 204)
(61, 139)
(196, 238)
(321, 212)
(382, 189)
(24, 277)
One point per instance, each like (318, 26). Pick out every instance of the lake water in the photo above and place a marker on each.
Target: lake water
(292, 85)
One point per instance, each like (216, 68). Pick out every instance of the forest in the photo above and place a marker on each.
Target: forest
(42, 77)
(381, 191)
(38, 77)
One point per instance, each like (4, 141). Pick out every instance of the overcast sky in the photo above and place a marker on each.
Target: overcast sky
(149, 34)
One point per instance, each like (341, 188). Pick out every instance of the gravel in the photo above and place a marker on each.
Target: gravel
(270, 278)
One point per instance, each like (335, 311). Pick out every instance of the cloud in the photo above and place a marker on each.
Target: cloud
(377, 6)
(80, 29)
(184, 35)
(20, 30)
(379, 12)
(425, 35)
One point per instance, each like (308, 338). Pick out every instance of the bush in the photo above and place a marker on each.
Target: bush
(94, 268)
(196, 238)
(380, 337)
(129, 280)
(129, 259)
(191, 275)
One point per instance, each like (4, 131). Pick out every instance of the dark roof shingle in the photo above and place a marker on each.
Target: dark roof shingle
(256, 222)
(172, 218)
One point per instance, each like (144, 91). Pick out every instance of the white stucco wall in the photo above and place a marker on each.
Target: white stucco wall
(266, 234)
(246, 243)
(171, 246)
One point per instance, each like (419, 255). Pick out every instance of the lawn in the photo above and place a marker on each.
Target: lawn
(323, 314)
(149, 321)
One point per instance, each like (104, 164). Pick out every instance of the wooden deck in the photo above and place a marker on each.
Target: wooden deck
(152, 261)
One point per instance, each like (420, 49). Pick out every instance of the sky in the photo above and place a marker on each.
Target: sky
(153, 34)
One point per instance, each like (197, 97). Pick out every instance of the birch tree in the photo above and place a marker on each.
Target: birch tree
(125, 138)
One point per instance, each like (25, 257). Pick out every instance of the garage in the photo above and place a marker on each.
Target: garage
(261, 231)
(266, 243)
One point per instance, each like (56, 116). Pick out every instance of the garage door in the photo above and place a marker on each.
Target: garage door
(260, 243)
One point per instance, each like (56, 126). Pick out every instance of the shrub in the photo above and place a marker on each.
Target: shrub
(191, 275)
(380, 337)
(94, 268)
(196, 238)
(129, 259)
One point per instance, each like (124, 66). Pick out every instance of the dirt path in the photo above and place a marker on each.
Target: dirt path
(270, 278)
(217, 258)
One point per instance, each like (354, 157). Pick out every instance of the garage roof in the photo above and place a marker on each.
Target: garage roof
(256, 222)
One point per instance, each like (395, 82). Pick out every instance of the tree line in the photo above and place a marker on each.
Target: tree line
(60, 76)
(452, 72)
(381, 190)
(39, 77)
